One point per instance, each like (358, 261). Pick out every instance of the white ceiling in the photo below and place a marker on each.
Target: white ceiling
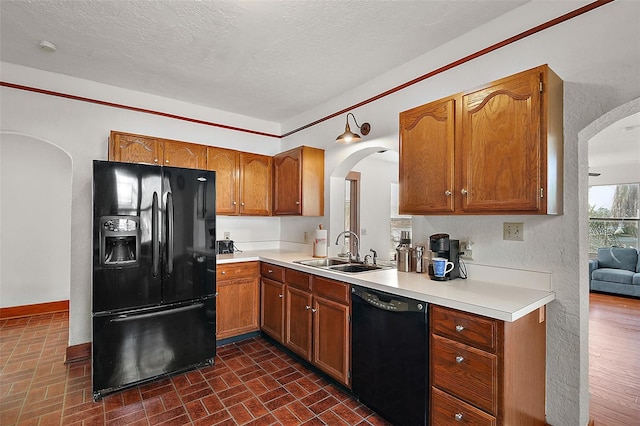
(265, 59)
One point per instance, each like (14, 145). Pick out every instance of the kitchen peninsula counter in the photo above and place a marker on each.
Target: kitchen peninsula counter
(495, 300)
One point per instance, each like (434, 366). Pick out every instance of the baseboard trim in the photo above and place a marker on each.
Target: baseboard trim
(76, 353)
(35, 309)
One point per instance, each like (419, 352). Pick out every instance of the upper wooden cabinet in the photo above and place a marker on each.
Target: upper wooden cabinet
(494, 150)
(131, 148)
(226, 163)
(298, 182)
(427, 158)
(255, 184)
(184, 154)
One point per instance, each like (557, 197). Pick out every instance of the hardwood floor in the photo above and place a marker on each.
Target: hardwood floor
(614, 360)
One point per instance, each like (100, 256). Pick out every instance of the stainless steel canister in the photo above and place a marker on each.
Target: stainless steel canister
(404, 258)
(419, 253)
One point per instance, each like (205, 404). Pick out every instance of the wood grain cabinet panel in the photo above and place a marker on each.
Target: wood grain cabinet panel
(184, 154)
(238, 301)
(494, 150)
(298, 182)
(131, 148)
(426, 175)
(255, 184)
(298, 321)
(226, 164)
(332, 338)
(495, 379)
(272, 308)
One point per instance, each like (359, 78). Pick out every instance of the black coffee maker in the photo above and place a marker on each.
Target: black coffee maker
(442, 246)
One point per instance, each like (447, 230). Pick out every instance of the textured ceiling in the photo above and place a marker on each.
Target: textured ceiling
(265, 59)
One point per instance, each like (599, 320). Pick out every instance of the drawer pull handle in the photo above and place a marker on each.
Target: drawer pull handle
(459, 328)
(459, 359)
(458, 417)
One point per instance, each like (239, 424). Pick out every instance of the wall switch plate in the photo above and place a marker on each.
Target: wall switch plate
(227, 235)
(513, 231)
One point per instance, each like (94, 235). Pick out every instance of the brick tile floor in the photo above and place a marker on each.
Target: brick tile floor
(252, 383)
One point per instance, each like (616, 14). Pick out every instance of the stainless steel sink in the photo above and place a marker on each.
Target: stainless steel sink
(340, 265)
(354, 268)
(323, 263)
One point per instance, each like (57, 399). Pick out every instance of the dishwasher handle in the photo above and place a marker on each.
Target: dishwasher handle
(388, 302)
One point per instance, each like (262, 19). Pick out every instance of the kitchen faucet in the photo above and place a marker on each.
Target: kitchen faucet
(357, 244)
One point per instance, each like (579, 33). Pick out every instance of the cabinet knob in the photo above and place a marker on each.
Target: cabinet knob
(458, 417)
(280, 296)
(463, 191)
(459, 359)
(155, 161)
(297, 202)
(271, 271)
(459, 328)
(234, 203)
(242, 204)
(166, 161)
(308, 307)
(223, 273)
(447, 193)
(314, 311)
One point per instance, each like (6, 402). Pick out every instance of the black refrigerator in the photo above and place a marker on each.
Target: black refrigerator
(154, 273)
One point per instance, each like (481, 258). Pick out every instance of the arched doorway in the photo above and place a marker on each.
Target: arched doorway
(35, 207)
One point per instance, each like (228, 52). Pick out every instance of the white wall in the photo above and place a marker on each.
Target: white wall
(597, 54)
(35, 188)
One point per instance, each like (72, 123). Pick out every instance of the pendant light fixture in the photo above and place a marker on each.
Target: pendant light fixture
(348, 136)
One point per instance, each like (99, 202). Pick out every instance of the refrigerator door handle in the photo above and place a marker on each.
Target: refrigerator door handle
(134, 316)
(169, 233)
(155, 238)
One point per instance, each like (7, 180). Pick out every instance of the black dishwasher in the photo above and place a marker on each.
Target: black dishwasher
(390, 355)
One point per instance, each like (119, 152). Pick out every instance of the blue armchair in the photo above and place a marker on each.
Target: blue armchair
(615, 270)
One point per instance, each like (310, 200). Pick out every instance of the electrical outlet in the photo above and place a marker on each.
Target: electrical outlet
(466, 247)
(227, 235)
(306, 237)
(513, 231)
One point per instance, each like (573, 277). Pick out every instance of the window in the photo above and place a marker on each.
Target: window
(614, 216)
(352, 209)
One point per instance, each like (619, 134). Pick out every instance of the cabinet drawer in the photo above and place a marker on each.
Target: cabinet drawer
(330, 289)
(466, 372)
(474, 330)
(232, 271)
(298, 279)
(449, 410)
(272, 271)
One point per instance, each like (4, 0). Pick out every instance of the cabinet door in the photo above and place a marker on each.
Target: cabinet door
(272, 309)
(501, 151)
(427, 136)
(299, 317)
(331, 338)
(287, 183)
(255, 184)
(238, 305)
(130, 148)
(184, 154)
(225, 162)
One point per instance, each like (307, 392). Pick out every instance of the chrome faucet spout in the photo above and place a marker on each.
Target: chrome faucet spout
(357, 243)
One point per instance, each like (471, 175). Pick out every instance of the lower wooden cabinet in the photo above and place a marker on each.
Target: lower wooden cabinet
(272, 308)
(238, 300)
(486, 371)
(310, 316)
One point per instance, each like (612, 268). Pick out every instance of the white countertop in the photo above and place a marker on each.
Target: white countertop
(500, 301)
